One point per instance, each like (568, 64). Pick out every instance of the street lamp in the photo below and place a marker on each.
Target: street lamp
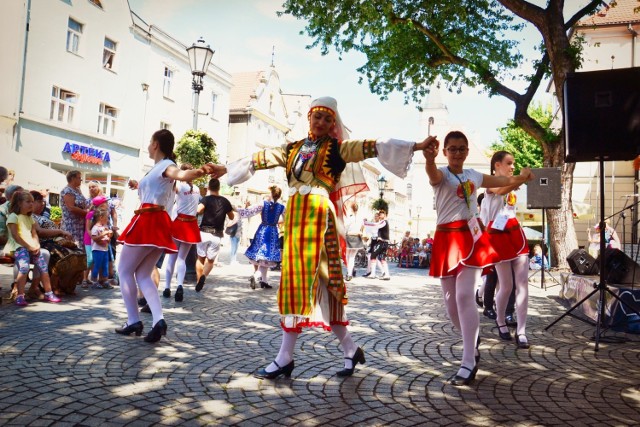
(418, 209)
(382, 182)
(200, 55)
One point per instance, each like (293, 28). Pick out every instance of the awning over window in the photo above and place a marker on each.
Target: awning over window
(31, 174)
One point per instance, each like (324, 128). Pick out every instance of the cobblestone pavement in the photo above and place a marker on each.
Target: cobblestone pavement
(63, 364)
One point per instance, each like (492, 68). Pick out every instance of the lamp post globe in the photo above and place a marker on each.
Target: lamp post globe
(200, 55)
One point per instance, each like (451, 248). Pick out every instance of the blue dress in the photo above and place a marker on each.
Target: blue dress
(265, 247)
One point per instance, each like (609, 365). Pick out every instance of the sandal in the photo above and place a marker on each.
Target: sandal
(86, 284)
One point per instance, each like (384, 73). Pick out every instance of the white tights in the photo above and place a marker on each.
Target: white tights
(520, 268)
(137, 264)
(180, 260)
(459, 300)
(351, 260)
(285, 355)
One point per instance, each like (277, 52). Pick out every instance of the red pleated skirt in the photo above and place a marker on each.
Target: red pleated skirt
(149, 229)
(509, 243)
(185, 229)
(453, 247)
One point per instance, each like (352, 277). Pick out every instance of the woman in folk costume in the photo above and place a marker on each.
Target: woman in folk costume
(312, 290)
(264, 251)
(508, 239)
(185, 232)
(461, 249)
(148, 234)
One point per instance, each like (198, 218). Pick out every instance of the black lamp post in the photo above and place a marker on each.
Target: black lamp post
(200, 55)
(382, 182)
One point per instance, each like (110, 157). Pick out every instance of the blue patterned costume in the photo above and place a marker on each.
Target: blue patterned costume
(265, 247)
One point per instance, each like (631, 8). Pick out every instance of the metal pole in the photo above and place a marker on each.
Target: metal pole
(196, 97)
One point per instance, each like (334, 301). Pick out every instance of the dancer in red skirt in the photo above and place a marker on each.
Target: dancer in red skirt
(508, 238)
(185, 232)
(460, 248)
(149, 234)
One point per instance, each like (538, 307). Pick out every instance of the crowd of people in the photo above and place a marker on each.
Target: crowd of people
(309, 238)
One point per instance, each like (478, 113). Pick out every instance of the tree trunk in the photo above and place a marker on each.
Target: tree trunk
(561, 227)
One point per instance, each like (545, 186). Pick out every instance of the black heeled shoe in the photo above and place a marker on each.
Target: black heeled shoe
(510, 320)
(282, 370)
(265, 285)
(179, 294)
(479, 301)
(128, 329)
(504, 335)
(477, 355)
(524, 344)
(158, 330)
(457, 380)
(358, 357)
(166, 293)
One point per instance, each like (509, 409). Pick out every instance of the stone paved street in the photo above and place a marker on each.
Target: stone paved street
(63, 364)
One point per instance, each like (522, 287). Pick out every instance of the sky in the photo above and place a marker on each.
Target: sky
(243, 33)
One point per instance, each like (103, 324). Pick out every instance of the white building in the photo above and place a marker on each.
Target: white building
(89, 84)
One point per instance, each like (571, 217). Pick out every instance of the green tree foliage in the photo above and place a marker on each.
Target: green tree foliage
(196, 147)
(527, 151)
(379, 204)
(409, 45)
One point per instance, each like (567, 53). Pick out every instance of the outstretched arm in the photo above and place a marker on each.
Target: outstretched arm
(492, 181)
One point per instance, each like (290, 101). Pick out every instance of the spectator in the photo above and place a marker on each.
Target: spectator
(74, 208)
(536, 261)
(94, 191)
(4, 213)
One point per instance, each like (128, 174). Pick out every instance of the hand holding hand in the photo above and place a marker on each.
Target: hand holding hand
(420, 146)
(133, 184)
(216, 171)
(430, 152)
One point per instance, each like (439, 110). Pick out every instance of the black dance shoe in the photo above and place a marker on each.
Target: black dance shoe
(458, 380)
(282, 370)
(128, 329)
(524, 344)
(166, 293)
(366, 274)
(265, 285)
(490, 313)
(200, 283)
(504, 335)
(145, 309)
(179, 294)
(510, 320)
(252, 282)
(477, 351)
(358, 357)
(158, 330)
(479, 300)
(142, 302)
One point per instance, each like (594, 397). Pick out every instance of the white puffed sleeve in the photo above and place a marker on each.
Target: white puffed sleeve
(240, 171)
(395, 155)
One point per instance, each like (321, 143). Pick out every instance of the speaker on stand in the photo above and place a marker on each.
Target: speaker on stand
(545, 192)
(601, 123)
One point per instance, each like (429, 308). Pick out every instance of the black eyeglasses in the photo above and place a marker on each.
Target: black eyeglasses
(454, 150)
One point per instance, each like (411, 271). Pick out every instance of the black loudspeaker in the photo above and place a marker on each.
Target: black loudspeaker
(620, 269)
(545, 190)
(602, 115)
(582, 263)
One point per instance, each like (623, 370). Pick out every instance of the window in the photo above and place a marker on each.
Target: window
(214, 99)
(166, 87)
(63, 104)
(107, 117)
(108, 53)
(164, 125)
(73, 35)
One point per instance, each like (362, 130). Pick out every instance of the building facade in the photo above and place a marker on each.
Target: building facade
(94, 82)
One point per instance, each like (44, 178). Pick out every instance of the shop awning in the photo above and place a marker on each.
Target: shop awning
(31, 174)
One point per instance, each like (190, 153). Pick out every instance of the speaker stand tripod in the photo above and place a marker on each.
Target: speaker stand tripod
(543, 268)
(601, 288)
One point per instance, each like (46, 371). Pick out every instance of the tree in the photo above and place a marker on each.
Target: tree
(515, 140)
(411, 44)
(197, 148)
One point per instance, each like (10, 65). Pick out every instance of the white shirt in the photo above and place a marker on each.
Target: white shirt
(450, 200)
(155, 188)
(187, 199)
